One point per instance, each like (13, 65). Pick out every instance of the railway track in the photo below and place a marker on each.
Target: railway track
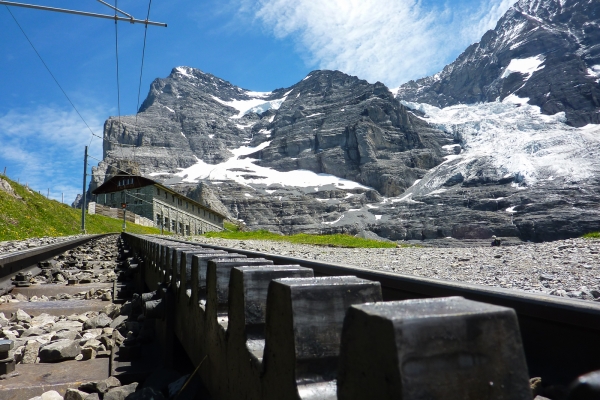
(54, 325)
(200, 292)
(27, 260)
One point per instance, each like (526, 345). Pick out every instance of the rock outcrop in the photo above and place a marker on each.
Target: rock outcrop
(545, 50)
(334, 153)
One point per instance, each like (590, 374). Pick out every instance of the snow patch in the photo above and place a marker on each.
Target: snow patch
(525, 66)
(313, 115)
(594, 72)
(184, 71)
(183, 135)
(516, 139)
(240, 126)
(170, 109)
(256, 104)
(395, 91)
(333, 222)
(516, 100)
(267, 176)
(378, 217)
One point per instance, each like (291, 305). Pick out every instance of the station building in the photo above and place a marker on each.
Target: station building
(167, 208)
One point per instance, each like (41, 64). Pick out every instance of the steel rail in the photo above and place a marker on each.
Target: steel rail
(84, 13)
(22, 261)
(559, 334)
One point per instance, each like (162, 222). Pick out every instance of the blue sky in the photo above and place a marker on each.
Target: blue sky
(256, 44)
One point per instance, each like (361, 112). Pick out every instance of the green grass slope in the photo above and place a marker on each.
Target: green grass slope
(35, 216)
(336, 240)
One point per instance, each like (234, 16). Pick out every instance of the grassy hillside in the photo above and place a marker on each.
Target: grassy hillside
(336, 240)
(35, 216)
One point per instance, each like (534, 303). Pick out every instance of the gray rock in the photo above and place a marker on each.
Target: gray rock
(121, 392)
(51, 395)
(30, 353)
(74, 394)
(146, 393)
(70, 335)
(563, 85)
(20, 316)
(100, 386)
(101, 321)
(59, 350)
(586, 387)
(118, 321)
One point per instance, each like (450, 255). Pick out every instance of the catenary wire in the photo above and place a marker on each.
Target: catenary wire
(50, 72)
(137, 108)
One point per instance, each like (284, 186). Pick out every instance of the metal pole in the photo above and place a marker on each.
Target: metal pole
(84, 190)
(124, 209)
(84, 13)
(116, 9)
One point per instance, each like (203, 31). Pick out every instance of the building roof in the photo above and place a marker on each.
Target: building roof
(125, 181)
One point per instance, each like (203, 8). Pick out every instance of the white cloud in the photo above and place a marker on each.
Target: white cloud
(44, 147)
(387, 40)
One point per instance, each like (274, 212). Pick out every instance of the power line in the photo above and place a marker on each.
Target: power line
(137, 108)
(49, 71)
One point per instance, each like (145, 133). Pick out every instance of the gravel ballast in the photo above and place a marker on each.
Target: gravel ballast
(567, 268)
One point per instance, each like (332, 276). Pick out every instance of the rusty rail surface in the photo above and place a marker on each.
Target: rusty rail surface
(234, 306)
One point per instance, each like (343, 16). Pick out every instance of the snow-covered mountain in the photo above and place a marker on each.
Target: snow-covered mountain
(547, 51)
(502, 141)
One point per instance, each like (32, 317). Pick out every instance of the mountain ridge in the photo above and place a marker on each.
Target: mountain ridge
(336, 154)
(566, 34)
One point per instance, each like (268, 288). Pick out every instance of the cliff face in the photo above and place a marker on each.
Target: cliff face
(495, 144)
(545, 50)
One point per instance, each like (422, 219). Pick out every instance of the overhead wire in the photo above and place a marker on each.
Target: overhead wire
(137, 108)
(117, 62)
(121, 145)
(50, 72)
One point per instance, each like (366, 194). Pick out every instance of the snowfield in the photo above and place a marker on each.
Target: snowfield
(517, 139)
(245, 172)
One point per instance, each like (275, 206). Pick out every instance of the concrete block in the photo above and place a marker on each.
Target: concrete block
(7, 366)
(200, 261)
(6, 345)
(441, 348)
(248, 289)
(185, 266)
(303, 332)
(217, 278)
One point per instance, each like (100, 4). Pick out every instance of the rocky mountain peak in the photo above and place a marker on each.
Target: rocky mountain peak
(544, 51)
